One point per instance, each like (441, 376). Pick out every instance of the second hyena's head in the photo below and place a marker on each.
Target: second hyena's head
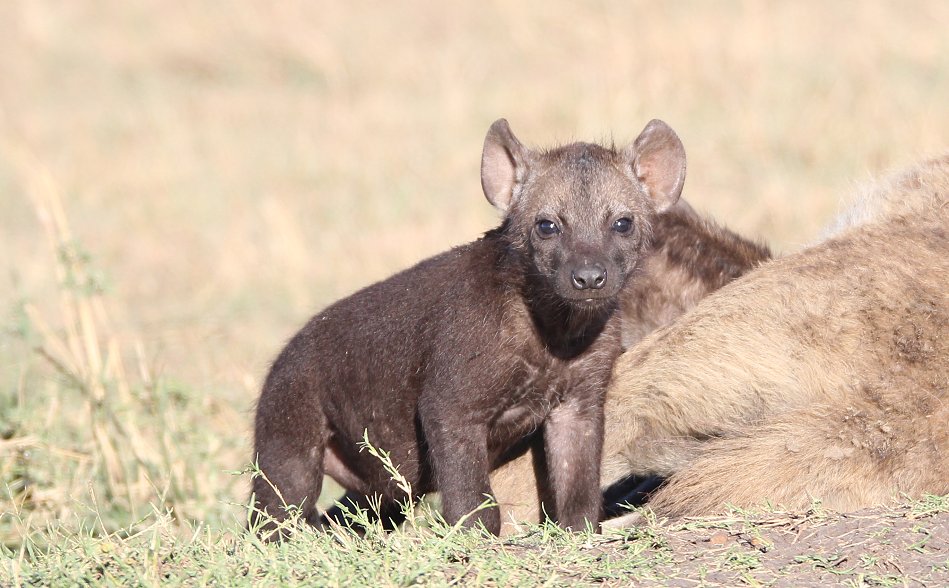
(581, 214)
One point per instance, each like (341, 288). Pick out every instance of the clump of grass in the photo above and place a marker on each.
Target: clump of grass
(929, 505)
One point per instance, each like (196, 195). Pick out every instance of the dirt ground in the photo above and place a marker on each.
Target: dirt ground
(903, 546)
(872, 548)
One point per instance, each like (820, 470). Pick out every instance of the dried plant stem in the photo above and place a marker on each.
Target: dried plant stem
(85, 350)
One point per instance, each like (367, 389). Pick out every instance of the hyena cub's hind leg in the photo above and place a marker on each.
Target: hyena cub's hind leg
(298, 477)
(290, 443)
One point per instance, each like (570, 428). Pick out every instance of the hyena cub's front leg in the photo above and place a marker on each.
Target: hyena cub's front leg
(573, 443)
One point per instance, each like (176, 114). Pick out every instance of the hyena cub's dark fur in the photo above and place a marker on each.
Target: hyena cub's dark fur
(450, 363)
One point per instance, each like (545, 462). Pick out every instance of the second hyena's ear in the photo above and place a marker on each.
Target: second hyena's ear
(503, 165)
(657, 159)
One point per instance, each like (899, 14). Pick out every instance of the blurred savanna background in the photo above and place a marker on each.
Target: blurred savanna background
(183, 184)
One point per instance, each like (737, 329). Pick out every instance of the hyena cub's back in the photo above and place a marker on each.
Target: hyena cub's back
(821, 375)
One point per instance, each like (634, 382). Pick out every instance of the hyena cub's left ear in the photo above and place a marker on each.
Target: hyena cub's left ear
(657, 158)
(503, 165)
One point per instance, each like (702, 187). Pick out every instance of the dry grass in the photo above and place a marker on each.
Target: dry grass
(123, 430)
(232, 168)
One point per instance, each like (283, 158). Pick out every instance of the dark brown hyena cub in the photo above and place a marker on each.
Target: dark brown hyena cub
(448, 364)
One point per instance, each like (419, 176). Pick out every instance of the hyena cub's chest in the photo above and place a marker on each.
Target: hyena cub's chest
(537, 386)
(534, 389)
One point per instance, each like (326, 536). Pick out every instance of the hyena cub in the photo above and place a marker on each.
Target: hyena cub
(448, 364)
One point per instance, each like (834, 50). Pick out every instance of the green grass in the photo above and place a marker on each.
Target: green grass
(158, 551)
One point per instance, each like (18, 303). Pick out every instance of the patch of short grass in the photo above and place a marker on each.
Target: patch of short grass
(160, 550)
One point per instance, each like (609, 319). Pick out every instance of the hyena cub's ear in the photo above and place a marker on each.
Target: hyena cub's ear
(503, 165)
(657, 159)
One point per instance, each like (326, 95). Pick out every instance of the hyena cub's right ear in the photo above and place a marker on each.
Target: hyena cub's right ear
(657, 159)
(503, 165)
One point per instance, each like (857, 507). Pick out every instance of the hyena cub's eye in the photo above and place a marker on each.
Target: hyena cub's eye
(623, 225)
(547, 228)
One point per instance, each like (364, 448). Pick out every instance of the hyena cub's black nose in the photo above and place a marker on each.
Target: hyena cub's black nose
(590, 276)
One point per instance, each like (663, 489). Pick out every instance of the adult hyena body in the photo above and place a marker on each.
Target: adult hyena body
(821, 375)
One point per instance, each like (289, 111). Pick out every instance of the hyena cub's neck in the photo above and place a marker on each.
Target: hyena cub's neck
(565, 330)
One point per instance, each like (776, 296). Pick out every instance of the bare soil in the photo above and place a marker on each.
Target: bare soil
(904, 546)
(879, 547)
